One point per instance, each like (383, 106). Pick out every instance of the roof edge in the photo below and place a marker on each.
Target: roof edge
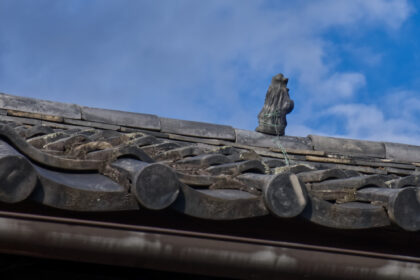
(78, 240)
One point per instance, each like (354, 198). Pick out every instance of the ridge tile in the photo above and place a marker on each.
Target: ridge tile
(402, 152)
(256, 139)
(198, 129)
(37, 106)
(115, 117)
(348, 146)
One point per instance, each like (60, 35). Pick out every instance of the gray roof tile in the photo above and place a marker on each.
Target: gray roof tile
(252, 138)
(402, 152)
(32, 105)
(348, 146)
(197, 129)
(115, 117)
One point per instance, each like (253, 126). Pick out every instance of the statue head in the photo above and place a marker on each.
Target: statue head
(280, 79)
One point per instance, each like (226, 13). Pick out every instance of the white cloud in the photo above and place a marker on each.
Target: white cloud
(364, 54)
(327, 13)
(343, 85)
(300, 130)
(402, 103)
(369, 122)
(392, 13)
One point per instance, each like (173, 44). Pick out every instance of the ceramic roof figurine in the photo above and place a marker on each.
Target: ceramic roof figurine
(272, 118)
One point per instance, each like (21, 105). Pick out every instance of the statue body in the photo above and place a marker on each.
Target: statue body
(272, 118)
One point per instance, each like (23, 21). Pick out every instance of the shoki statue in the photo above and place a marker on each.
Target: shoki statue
(272, 118)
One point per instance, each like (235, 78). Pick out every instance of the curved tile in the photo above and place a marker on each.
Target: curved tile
(42, 140)
(119, 152)
(321, 175)
(81, 192)
(351, 183)
(155, 185)
(351, 215)
(236, 168)
(17, 176)
(197, 180)
(180, 153)
(344, 189)
(38, 130)
(44, 158)
(205, 160)
(411, 180)
(284, 194)
(403, 205)
(219, 204)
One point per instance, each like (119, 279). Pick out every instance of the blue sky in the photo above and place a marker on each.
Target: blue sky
(353, 65)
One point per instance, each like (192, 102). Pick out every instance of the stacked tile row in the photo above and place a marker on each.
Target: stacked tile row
(87, 169)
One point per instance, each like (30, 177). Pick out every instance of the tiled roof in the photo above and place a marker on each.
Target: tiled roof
(87, 159)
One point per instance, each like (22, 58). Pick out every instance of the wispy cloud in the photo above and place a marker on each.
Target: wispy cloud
(363, 121)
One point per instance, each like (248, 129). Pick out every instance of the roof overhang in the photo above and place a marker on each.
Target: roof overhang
(191, 252)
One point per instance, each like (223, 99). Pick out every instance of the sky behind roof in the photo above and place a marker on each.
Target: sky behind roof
(352, 64)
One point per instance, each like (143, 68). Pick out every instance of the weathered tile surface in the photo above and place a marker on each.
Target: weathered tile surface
(33, 105)
(402, 152)
(20, 120)
(115, 117)
(197, 129)
(348, 146)
(92, 124)
(34, 116)
(252, 138)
